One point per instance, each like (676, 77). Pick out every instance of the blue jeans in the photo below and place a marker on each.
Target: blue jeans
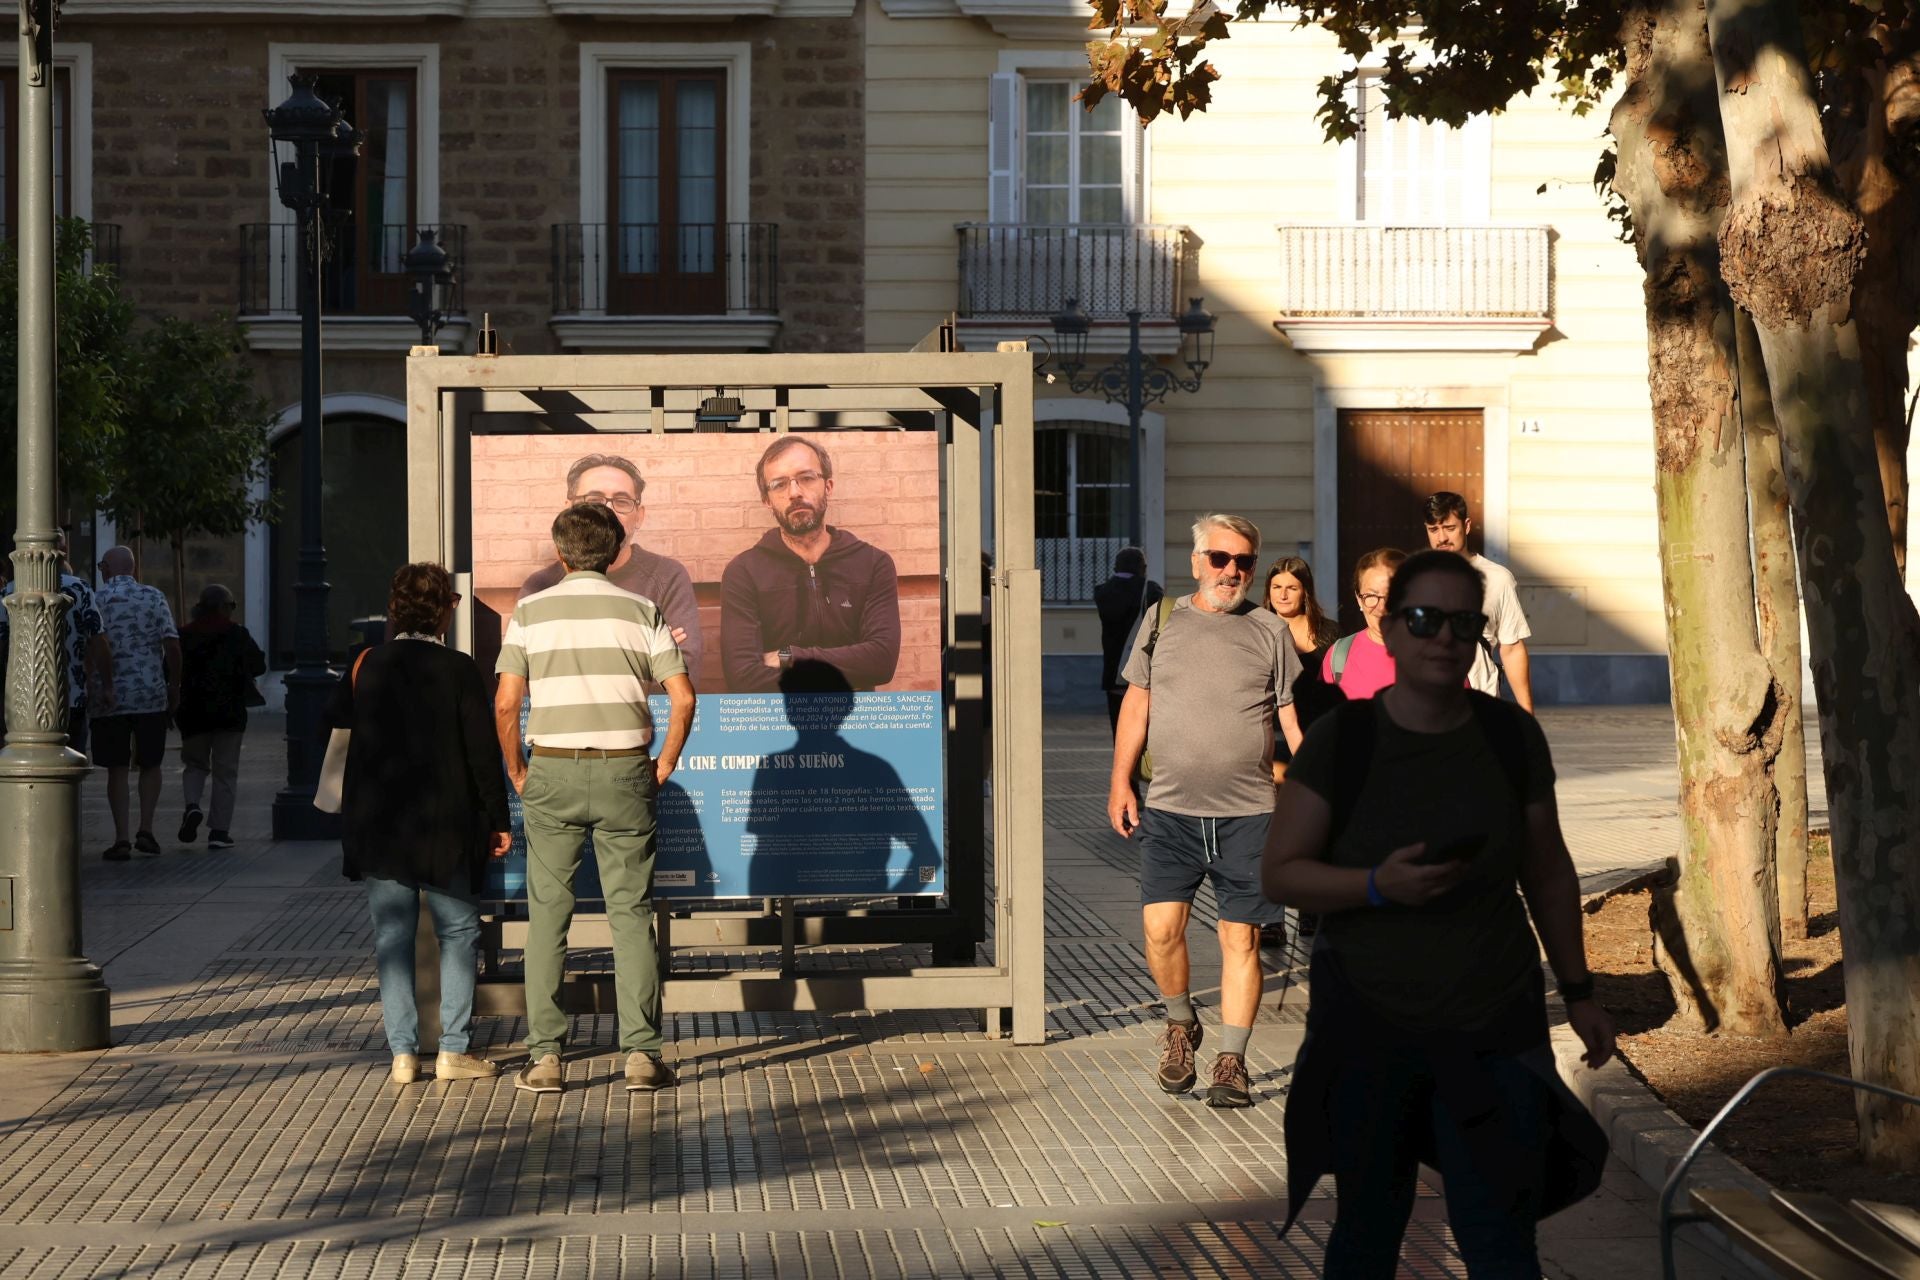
(1383, 1108)
(456, 923)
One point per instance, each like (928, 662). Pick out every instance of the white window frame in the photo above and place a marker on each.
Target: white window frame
(77, 61)
(1476, 173)
(424, 61)
(597, 60)
(1070, 413)
(1022, 65)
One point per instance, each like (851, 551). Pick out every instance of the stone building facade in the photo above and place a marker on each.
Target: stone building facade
(609, 175)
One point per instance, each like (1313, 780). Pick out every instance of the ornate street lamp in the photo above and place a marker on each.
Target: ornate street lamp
(308, 136)
(431, 298)
(51, 998)
(1131, 379)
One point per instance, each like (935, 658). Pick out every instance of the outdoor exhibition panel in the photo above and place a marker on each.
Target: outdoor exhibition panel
(832, 794)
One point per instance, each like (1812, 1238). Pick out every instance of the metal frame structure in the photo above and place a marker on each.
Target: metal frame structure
(982, 404)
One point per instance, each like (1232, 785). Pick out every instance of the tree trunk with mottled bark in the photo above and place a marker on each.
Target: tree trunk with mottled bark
(1792, 251)
(1867, 133)
(1716, 923)
(1777, 594)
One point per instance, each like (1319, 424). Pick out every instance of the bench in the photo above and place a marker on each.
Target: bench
(1793, 1235)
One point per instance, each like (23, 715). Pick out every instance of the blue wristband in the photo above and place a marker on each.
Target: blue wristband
(1374, 897)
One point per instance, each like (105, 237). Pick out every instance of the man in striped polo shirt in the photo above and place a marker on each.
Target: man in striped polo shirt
(584, 650)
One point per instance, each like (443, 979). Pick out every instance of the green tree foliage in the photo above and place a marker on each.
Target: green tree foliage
(95, 354)
(195, 438)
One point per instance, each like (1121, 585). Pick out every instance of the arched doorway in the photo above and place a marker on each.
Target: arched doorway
(363, 525)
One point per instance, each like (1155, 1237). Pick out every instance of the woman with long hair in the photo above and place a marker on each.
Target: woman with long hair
(423, 807)
(1288, 592)
(1360, 664)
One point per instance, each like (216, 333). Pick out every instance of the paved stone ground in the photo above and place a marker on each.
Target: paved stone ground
(243, 1125)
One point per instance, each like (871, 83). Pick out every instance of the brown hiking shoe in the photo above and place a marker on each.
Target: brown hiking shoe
(1229, 1087)
(1177, 1045)
(646, 1073)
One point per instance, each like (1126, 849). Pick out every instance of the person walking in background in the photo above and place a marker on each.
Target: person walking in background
(83, 624)
(219, 662)
(585, 651)
(1448, 525)
(134, 685)
(1208, 691)
(422, 808)
(1121, 602)
(1360, 664)
(1422, 825)
(1288, 591)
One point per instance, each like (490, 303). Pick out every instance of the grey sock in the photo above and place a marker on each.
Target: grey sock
(1179, 1008)
(1235, 1039)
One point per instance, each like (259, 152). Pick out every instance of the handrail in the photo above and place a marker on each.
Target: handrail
(1671, 1188)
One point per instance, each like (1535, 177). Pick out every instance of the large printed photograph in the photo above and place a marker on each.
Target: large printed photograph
(800, 575)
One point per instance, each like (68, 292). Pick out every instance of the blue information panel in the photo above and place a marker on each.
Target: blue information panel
(806, 794)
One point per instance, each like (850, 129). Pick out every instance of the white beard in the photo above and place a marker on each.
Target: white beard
(1227, 599)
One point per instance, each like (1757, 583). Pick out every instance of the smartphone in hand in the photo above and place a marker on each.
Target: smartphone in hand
(1458, 849)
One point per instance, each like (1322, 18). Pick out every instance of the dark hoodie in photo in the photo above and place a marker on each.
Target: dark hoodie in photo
(843, 611)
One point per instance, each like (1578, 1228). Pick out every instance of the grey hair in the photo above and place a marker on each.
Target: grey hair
(1220, 520)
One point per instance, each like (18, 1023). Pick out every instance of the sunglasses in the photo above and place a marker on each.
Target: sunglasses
(1423, 622)
(1221, 559)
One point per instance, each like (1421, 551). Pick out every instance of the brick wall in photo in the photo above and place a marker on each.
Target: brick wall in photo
(703, 508)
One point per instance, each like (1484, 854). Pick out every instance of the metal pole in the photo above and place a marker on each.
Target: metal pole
(51, 999)
(1136, 405)
(311, 681)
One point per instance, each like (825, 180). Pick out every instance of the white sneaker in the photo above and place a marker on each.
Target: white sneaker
(460, 1066)
(406, 1068)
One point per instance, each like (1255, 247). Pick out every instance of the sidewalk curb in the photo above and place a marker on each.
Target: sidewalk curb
(1646, 1135)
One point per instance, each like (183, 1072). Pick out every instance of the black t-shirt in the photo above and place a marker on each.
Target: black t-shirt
(1457, 961)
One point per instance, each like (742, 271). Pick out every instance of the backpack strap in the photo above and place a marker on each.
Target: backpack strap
(1163, 609)
(1341, 648)
(1354, 733)
(353, 677)
(1506, 735)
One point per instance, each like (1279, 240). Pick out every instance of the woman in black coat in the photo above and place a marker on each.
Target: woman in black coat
(424, 805)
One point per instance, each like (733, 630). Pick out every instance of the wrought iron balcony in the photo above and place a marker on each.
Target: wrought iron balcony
(650, 269)
(1406, 273)
(364, 273)
(1026, 270)
(104, 243)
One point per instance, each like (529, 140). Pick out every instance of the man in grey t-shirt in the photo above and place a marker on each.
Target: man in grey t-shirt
(1206, 690)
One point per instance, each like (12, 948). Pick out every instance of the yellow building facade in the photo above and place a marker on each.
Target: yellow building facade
(1419, 309)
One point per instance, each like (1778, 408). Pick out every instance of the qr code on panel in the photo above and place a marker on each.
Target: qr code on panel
(927, 874)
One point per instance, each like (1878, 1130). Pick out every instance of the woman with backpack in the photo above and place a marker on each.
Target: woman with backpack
(1359, 664)
(1421, 824)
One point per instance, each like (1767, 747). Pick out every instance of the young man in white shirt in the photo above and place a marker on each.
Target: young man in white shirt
(1448, 525)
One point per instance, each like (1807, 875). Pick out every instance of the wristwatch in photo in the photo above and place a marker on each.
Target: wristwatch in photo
(786, 658)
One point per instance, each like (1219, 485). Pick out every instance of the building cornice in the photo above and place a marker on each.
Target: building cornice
(1044, 21)
(1316, 335)
(280, 331)
(666, 333)
(660, 10)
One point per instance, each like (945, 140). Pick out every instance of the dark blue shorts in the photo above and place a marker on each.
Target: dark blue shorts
(1178, 852)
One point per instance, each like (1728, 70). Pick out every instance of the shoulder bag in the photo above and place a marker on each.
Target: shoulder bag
(330, 789)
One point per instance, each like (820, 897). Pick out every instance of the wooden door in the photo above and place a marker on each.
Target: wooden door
(1390, 460)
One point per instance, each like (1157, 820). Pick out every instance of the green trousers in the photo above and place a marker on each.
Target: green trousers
(564, 799)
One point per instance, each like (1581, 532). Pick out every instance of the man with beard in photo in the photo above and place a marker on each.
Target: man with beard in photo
(806, 592)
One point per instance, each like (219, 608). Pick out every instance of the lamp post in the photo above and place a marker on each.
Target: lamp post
(431, 297)
(1133, 380)
(307, 134)
(52, 999)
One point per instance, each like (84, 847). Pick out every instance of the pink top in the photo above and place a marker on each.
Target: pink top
(1368, 670)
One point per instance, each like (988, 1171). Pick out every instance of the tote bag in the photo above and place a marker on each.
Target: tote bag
(330, 790)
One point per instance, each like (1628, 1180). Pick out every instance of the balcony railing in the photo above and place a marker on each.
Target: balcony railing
(1031, 269)
(646, 269)
(1388, 272)
(364, 272)
(104, 238)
